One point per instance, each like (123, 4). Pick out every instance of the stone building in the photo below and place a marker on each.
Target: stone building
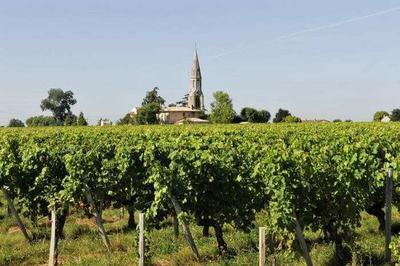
(195, 105)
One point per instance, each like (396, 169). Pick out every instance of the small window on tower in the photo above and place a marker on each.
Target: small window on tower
(193, 84)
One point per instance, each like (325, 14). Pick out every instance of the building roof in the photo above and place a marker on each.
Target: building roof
(315, 120)
(196, 73)
(179, 109)
(193, 120)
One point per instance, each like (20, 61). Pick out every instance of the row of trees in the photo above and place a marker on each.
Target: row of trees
(59, 103)
(222, 112)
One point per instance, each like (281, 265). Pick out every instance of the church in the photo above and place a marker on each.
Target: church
(194, 110)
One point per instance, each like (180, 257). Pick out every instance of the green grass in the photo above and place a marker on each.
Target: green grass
(83, 246)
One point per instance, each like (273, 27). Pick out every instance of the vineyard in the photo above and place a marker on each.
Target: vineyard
(212, 183)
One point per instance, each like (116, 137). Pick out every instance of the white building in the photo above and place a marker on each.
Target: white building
(105, 122)
(385, 119)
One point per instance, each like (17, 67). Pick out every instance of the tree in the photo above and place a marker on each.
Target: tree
(249, 114)
(263, 116)
(222, 108)
(41, 121)
(292, 119)
(153, 97)
(151, 106)
(59, 103)
(16, 123)
(237, 119)
(70, 120)
(280, 115)
(147, 114)
(395, 115)
(379, 115)
(82, 120)
(337, 120)
(183, 101)
(128, 119)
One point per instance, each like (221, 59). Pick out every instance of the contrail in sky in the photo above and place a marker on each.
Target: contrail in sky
(315, 29)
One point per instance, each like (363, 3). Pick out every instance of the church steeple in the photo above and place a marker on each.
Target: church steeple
(196, 98)
(196, 73)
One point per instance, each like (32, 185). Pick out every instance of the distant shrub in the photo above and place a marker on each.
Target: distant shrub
(41, 121)
(292, 119)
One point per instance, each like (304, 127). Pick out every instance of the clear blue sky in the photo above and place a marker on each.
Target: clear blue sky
(319, 59)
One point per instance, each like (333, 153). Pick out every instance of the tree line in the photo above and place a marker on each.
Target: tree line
(222, 111)
(393, 116)
(58, 102)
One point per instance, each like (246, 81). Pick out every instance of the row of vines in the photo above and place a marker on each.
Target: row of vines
(321, 176)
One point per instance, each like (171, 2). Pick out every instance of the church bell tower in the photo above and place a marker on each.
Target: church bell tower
(196, 97)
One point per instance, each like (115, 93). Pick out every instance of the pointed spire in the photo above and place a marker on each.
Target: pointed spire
(196, 73)
(195, 98)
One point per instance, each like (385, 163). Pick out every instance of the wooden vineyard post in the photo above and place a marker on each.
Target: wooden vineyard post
(388, 213)
(141, 239)
(53, 240)
(186, 228)
(15, 213)
(261, 246)
(302, 242)
(98, 218)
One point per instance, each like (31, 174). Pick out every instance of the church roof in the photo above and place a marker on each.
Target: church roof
(179, 109)
(196, 73)
(192, 120)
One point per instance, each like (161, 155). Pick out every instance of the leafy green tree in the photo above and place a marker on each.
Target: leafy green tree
(263, 116)
(151, 107)
(70, 120)
(42, 121)
(153, 97)
(280, 115)
(82, 120)
(222, 108)
(16, 123)
(128, 119)
(59, 103)
(237, 119)
(249, 114)
(337, 121)
(395, 115)
(147, 114)
(292, 119)
(183, 101)
(379, 115)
